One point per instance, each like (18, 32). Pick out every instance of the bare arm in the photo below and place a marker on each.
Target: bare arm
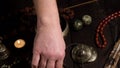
(49, 45)
(47, 12)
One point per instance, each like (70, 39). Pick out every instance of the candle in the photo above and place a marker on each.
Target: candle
(19, 43)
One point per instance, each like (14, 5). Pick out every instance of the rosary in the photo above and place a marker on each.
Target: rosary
(101, 27)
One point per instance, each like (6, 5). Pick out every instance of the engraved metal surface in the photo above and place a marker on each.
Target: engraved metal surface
(82, 53)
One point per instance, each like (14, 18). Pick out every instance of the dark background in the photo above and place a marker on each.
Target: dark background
(16, 22)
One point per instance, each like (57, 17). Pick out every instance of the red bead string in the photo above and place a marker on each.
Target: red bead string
(100, 29)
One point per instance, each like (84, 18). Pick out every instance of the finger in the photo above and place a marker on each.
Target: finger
(43, 62)
(59, 64)
(35, 59)
(51, 64)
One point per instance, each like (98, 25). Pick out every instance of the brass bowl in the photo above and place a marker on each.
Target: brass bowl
(82, 53)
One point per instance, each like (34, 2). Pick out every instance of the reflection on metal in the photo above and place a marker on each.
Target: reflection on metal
(19, 43)
(4, 53)
(82, 53)
(5, 66)
(78, 24)
(113, 57)
(116, 60)
(64, 26)
(87, 19)
(65, 29)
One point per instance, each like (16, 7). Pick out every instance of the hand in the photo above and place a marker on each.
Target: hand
(49, 49)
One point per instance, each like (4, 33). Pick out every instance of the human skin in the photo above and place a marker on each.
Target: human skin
(49, 44)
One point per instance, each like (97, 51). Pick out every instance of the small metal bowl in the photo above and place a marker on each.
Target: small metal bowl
(82, 53)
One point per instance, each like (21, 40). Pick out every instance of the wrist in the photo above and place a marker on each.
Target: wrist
(48, 21)
(48, 26)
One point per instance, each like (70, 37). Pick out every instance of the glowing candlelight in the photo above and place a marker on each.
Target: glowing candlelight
(19, 43)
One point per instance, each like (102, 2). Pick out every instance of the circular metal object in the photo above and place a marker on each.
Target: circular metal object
(78, 24)
(4, 53)
(87, 19)
(93, 56)
(82, 53)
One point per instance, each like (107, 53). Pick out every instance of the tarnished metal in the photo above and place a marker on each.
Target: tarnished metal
(82, 53)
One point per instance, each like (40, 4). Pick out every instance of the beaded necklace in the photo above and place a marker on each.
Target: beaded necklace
(101, 27)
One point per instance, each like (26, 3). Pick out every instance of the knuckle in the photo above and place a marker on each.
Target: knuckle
(34, 65)
(55, 54)
(62, 55)
(36, 52)
(42, 65)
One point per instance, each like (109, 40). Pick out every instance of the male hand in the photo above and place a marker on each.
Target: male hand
(49, 49)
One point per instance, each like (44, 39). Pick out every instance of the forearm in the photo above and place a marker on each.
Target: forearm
(47, 13)
(49, 44)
